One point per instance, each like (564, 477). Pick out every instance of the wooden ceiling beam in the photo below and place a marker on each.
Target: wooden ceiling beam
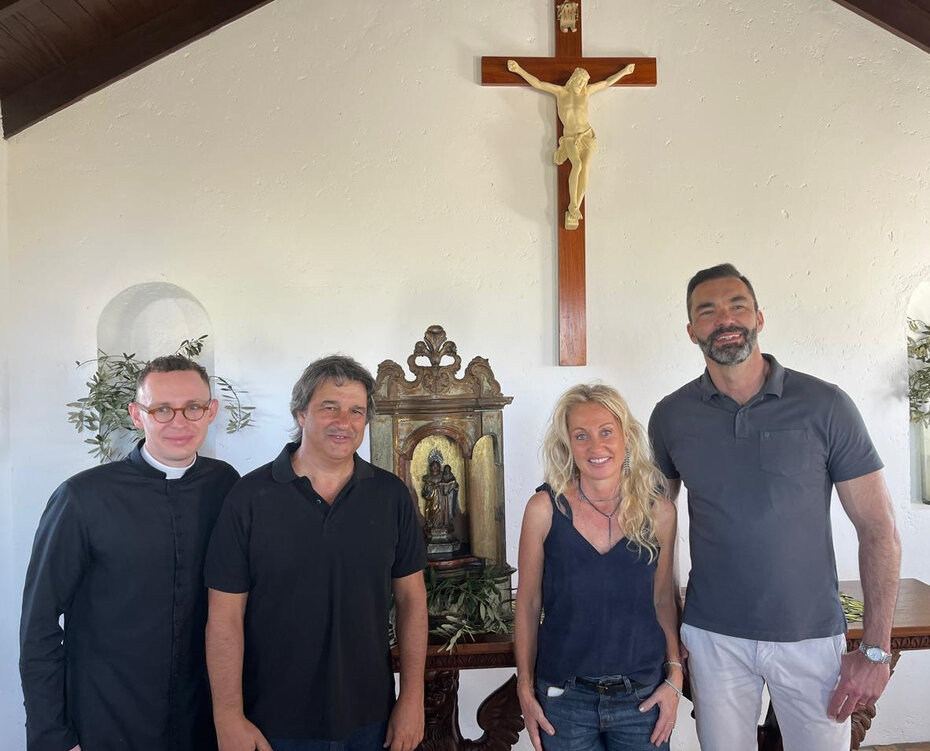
(117, 58)
(8, 7)
(908, 19)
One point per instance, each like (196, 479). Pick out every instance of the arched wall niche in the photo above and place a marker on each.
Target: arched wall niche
(152, 319)
(919, 307)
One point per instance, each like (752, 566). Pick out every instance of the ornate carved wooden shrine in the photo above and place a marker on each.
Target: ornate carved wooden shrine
(443, 435)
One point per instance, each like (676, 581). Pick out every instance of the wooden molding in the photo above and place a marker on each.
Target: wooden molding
(115, 58)
(908, 19)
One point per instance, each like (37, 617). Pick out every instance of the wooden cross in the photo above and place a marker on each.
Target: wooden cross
(568, 56)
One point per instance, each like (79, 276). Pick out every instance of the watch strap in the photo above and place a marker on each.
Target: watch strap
(867, 648)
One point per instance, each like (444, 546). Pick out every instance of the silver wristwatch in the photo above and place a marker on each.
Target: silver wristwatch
(875, 654)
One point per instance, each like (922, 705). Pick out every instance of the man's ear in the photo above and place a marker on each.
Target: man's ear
(136, 414)
(212, 410)
(760, 320)
(691, 333)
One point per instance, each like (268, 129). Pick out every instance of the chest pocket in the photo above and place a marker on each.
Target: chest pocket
(785, 452)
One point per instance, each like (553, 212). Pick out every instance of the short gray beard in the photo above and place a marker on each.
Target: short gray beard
(730, 355)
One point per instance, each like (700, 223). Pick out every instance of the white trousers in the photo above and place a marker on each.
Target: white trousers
(727, 675)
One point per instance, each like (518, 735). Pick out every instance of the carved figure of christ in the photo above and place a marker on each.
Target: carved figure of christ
(551, 70)
(578, 142)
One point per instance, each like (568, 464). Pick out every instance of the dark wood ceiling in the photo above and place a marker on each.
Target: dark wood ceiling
(54, 52)
(909, 19)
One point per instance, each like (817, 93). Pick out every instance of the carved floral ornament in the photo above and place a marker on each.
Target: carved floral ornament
(437, 379)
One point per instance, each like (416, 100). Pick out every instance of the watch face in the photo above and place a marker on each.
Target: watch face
(876, 654)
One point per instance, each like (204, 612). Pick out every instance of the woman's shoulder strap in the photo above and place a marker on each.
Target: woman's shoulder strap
(559, 503)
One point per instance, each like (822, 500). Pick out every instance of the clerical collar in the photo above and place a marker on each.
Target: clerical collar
(171, 473)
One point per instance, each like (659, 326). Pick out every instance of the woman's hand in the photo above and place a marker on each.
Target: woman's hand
(666, 698)
(533, 715)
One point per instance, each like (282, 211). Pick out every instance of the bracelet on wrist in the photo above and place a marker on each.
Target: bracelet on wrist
(669, 663)
(674, 687)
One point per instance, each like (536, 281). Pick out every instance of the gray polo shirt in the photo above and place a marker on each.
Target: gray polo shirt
(759, 479)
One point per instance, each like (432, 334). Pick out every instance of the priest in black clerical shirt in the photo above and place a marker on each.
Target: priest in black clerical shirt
(119, 552)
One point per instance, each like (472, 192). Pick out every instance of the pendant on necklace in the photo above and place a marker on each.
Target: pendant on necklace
(609, 517)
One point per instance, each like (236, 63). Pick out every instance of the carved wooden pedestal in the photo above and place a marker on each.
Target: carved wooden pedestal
(498, 716)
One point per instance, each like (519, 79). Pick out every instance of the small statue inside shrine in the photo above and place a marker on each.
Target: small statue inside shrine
(449, 490)
(440, 492)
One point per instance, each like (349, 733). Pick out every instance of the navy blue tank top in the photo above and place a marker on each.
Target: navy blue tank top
(600, 617)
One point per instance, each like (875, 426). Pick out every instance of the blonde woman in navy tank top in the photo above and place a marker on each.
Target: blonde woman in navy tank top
(603, 669)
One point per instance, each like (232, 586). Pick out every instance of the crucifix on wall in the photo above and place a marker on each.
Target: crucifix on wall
(559, 76)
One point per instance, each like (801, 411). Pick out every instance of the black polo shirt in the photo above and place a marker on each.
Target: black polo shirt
(317, 658)
(760, 478)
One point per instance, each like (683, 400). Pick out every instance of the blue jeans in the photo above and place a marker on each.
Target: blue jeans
(585, 719)
(365, 738)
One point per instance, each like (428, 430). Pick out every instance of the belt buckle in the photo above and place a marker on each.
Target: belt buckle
(608, 688)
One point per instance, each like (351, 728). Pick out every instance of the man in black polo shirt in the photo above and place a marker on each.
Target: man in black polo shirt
(760, 449)
(301, 568)
(119, 552)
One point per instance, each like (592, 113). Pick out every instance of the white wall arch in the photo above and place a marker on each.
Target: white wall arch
(152, 319)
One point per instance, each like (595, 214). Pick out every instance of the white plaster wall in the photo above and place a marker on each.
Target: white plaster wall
(10, 584)
(330, 176)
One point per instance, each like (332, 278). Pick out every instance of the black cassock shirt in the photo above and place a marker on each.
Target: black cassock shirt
(119, 551)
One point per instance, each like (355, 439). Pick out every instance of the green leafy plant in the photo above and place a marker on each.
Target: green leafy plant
(918, 351)
(112, 387)
(461, 608)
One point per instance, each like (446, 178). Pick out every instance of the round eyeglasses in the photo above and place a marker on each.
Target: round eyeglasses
(192, 412)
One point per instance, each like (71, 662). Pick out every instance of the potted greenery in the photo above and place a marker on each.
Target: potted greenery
(103, 411)
(918, 393)
(464, 607)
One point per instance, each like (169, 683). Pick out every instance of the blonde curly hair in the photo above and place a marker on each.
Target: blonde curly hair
(640, 487)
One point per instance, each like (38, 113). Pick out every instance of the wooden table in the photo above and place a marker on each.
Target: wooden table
(911, 627)
(499, 714)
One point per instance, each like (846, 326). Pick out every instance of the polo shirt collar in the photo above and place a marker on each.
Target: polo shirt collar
(706, 384)
(283, 471)
(773, 384)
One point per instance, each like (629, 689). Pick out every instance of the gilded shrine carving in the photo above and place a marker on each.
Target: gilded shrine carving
(442, 434)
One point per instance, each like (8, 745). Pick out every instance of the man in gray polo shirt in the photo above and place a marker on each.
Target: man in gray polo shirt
(760, 448)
